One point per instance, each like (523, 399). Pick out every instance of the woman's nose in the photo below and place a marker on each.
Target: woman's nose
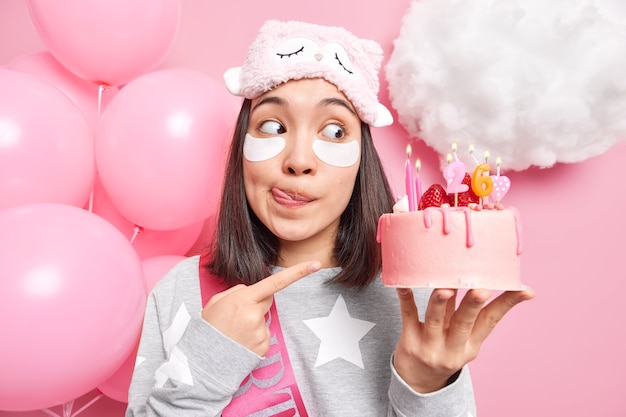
(299, 157)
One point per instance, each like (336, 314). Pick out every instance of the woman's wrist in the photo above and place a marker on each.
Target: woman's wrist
(424, 381)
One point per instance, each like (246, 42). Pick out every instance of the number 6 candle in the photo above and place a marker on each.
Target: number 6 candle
(482, 185)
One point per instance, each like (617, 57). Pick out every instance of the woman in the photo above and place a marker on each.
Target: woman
(286, 313)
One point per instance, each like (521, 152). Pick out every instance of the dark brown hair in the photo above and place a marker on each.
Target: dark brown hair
(243, 248)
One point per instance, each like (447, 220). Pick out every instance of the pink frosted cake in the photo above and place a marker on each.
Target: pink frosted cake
(451, 241)
(451, 247)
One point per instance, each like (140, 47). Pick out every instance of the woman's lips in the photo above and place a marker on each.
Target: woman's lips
(290, 198)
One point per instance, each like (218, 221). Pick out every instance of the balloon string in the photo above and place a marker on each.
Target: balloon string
(136, 231)
(91, 201)
(101, 88)
(89, 404)
(67, 407)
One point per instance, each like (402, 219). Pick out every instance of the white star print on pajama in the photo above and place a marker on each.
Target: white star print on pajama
(176, 366)
(339, 335)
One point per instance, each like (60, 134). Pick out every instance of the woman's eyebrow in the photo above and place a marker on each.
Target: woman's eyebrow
(332, 101)
(339, 102)
(269, 99)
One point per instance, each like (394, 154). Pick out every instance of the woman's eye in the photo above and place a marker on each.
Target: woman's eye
(333, 131)
(272, 127)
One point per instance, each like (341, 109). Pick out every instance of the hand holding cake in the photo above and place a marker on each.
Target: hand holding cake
(429, 352)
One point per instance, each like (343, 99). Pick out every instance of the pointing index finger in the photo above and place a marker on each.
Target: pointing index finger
(274, 283)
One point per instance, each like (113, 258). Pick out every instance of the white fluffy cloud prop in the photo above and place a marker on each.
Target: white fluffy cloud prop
(533, 81)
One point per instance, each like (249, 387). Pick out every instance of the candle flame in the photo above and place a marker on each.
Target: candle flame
(408, 151)
(418, 165)
(498, 161)
(449, 158)
(454, 151)
(471, 152)
(487, 155)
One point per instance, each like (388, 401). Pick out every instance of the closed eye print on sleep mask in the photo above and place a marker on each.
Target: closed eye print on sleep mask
(336, 154)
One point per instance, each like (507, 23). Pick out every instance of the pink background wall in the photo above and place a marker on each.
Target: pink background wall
(561, 354)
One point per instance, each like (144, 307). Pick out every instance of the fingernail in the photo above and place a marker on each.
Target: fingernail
(403, 291)
(315, 266)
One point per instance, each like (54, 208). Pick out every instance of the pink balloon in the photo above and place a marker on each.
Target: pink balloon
(161, 148)
(72, 298)
(107, 41)
(46, 145)
(147, 243)
(116, 387)
(85, 94)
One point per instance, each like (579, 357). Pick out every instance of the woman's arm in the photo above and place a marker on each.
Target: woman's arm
(185, 367)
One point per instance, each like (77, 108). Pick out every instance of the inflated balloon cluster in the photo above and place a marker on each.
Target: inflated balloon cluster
(107, 166)
(535, 82)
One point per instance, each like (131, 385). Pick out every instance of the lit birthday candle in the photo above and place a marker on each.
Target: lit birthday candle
(471, 152)
(418, 182)
(408, 180)
(501, 184)
(454, 173)
(454, 149)
(482, 183)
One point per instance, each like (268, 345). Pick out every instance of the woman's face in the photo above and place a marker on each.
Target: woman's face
(301, 157)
